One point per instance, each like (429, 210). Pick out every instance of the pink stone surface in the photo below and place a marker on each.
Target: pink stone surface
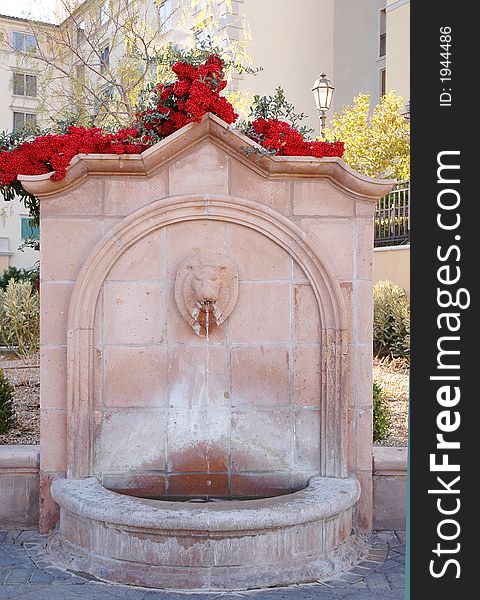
(364, 262)
(332, 241)
(135, 376)
(53, 440)
(364, 438)
(67, 244)
(307, 376)
(53, 391)
(134, 313)
(261, 376)
(307, 319)
(253, 319)
(123, 195)
(262, 440)
(54, 313)
(83, 200)
(144, 261)
(307, 434)
(257, 257)
(265, 402)
(364, 309)
(321, 198)
(204, 171)
(131, 439)
(246, 183)
(189, 237)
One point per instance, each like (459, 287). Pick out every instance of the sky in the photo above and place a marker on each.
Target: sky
(36, 9)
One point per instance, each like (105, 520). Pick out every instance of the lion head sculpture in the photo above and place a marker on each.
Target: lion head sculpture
(206, 290)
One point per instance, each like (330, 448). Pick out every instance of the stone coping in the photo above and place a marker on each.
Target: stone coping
(231, 140)
(324, 497)
(390, 460)
(19, 457)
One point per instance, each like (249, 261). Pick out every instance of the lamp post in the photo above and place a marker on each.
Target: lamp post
(322, 91)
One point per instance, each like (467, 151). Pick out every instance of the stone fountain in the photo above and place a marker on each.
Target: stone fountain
(206, 377)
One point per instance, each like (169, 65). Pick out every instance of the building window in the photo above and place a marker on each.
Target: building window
(29, 232)
(104, 59)
(166, 15)
(21, 119)
(104, 12)
(80, 32)
(383, 33)
(383, 82)
(24, 42)
(24, 85)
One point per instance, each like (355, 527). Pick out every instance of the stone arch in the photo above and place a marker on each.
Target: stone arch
(176, 209)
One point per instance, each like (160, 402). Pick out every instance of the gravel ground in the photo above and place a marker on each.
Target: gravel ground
(25, 379)
(391, 374)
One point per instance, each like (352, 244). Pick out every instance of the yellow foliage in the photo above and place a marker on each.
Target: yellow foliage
(377, 142)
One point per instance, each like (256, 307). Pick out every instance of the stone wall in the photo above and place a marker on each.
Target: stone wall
(19, 487)
(281, 391)
(389, 488)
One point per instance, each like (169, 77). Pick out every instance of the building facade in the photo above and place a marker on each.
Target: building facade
(362, 46)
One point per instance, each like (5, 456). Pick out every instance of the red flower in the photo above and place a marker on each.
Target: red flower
(196, 92)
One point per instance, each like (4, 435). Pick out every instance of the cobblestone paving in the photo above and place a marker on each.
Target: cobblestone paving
(28, 573)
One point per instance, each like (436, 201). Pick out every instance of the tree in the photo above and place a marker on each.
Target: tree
(377, 142)
(94, 68)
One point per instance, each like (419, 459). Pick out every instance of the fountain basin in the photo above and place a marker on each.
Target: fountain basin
(241, 544)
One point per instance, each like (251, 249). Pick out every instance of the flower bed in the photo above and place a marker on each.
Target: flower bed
(195, 92)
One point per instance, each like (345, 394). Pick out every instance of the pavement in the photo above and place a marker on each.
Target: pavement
(28, 573)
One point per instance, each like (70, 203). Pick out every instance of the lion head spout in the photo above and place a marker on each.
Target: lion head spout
(206, 290)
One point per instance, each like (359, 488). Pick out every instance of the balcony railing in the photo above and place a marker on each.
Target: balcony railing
(392, 217)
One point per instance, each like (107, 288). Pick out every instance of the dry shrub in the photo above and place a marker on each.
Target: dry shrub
(20, 318)
(391, 320)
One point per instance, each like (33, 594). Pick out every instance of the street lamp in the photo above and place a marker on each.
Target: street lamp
(323, 91)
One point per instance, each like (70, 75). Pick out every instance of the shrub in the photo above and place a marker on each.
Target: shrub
(18, 275)
(20, 318)
(7, 413)
(391, 320)
(381, 414)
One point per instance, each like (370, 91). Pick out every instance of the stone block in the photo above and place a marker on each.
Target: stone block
(262, 440)
(84, 200)
(307, 376)
(135, 376)
(261, 376)
(131, 440)
(321, 198)
(19, 487)
(124, 195)
(134, 313)
(66, 244)
(190, 237)
(307, 317)
(204, 172)
(53, 440)
(54, 313)
(334, 243)
(389, 502)
(258, 257)
(253, 319)
(246, 183)
(53, 391)
(145, 260)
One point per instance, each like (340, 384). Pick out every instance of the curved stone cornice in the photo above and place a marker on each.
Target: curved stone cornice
(230, 140)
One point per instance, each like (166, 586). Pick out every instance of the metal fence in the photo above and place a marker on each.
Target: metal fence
(392, 217)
